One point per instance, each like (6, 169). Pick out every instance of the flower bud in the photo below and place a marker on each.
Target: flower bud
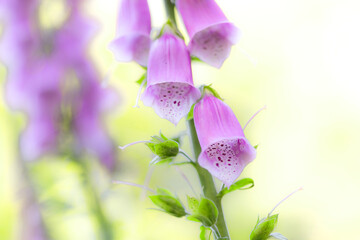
(264, 228)
(164, 150)
(168, 202)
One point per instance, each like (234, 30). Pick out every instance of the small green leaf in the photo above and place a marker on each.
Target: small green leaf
(207, 213)
(169, 204)
(264, 228)
(163, 136)
(256, 146)
(191, 113)
(242, 184)
(193, 204)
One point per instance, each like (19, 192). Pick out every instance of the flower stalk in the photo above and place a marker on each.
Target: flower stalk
(206, 180)
(94, 202)
(170, 13)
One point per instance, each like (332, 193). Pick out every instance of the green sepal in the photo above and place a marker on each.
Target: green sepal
(196, 59)
(169, 26)
(207, 213)
(169, 204)
(242, 184)
(264, 228)
(191, 113)
(208, 88)
(256, 146)
(141, 79)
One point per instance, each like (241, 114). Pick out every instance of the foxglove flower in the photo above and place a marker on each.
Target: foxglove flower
(170, 89)
(39, 84)
(211, 34)
(225, 150)
(132, 41)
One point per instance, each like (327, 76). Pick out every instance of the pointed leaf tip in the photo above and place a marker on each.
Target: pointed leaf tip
(242, 184)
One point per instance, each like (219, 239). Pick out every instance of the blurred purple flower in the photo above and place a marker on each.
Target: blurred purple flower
(90, 102)
(170, 89)
(132, 42)
(40, 65)
(225, 150)
(40, 98)
(211, 34)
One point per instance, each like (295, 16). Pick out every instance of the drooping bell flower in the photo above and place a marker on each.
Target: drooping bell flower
(132, 42)
(211, 34)
(170, 89)
(225, 150)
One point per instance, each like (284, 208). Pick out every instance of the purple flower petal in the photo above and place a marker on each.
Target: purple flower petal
(171, 100)
(133, 47)
(213, 44)
(211, 34)
(225, 150)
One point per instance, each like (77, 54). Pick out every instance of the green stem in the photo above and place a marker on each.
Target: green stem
(170, 7)
(207, 182)
(95, 204)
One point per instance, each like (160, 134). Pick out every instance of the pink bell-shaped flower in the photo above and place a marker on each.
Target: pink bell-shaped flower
(211, 34)
(170, 89)
(132, 42)
(225, 150)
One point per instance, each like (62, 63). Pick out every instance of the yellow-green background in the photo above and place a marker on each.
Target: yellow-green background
(300, 58)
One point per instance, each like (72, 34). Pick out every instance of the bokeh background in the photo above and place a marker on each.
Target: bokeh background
(300, 58)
